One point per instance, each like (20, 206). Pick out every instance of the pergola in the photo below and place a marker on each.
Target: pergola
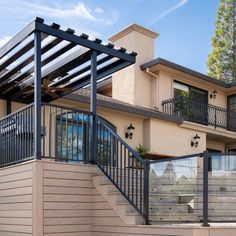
(43, 63)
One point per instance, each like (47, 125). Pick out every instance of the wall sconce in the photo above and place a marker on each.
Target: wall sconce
(213, 94)
(130, 131)
(195, 141)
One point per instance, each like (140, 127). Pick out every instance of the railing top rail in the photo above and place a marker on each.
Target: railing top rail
(221, 154)
(171, 100)
(17, 111)
(175, 158)
(66, 108)
(136, 155)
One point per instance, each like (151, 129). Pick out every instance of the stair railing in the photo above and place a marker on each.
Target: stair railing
(124, 167)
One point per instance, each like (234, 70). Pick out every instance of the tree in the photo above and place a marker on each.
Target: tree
(222, 58)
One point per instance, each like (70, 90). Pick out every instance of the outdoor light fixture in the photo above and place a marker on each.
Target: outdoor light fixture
(195, 141)
(130, 131)
(213, 94)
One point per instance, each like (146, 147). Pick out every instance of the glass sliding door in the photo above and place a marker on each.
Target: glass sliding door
(231, 119)
(198, 105)
(73, 138)
(191, 103)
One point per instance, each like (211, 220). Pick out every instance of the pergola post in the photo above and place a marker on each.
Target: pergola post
(93, 104)
(8, 106)
(37, 95)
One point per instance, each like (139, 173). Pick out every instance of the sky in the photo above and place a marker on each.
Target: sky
(185, 27)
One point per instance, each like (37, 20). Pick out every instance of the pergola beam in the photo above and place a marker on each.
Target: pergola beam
(82, 41)
(18, 38)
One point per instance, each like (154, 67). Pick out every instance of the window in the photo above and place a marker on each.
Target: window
(231, 119)
(72, 137)
(190, 103)
(232, 102)
(180, 90)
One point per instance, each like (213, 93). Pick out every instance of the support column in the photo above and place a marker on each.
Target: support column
(37, 95)
(93, 104)
(8, 106)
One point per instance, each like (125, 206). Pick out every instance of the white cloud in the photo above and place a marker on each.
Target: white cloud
(70, 11)
(4, 40)
(168, 11)
(65, 11)
(98, 10)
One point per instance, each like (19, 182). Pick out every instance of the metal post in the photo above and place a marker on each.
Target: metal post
(205, 189)
(8, 106)
(146, 191)
(37, 95)
(93, 104)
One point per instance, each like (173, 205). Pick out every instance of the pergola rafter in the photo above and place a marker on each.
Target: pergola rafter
(66, 61)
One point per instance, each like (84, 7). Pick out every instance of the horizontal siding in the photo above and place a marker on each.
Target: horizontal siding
(16, 200)
(69, 199)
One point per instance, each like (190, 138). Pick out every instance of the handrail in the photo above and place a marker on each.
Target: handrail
(17, 111)
(123, 167)
(198, 112)
(120, 139)
(176, 158)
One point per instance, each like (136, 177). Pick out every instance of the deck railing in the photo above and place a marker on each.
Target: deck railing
(17, 136)
(123, 166)
(195, 188)
(206, 114)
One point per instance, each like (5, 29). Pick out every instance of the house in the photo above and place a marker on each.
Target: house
(73, 111)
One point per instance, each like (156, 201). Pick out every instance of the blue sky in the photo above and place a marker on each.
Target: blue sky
(185, 26)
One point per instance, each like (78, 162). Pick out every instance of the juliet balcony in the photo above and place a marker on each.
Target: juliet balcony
(201, 113)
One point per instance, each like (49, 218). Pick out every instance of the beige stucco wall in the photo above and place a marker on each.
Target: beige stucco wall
(169, 139)
(165, 89)
(131, 84)
(3, 107)
(162, 137)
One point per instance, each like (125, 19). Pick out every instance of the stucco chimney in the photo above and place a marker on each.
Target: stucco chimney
(131, 84)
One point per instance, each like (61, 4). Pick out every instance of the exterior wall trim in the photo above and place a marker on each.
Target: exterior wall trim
(126, 108)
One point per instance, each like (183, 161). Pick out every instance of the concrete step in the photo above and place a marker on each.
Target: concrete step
(169, 208)
(175, 217)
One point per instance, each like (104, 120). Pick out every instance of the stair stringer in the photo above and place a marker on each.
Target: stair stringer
(116, 200)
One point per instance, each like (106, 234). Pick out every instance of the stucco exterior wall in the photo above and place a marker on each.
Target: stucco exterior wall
(165, 89)
(171, 140)
(131, 84)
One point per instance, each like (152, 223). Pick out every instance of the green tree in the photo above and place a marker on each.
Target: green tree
(222, 58)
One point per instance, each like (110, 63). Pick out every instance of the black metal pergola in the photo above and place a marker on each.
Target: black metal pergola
(43, 62)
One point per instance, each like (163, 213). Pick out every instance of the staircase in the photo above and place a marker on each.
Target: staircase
(134, 192)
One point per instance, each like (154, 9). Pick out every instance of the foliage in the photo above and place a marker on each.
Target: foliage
(141, 149)
(222, 58)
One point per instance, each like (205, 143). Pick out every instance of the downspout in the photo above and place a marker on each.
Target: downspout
(157, 87)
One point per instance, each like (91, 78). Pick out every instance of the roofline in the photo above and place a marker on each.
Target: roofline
(186, 70)
(126, 108)
(130, 28)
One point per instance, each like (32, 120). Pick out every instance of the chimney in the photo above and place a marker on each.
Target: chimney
(131, 85)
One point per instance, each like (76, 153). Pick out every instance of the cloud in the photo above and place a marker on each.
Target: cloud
(78, 10)
(98, 10)
(168, 11)
(68, 11)
(4, 40)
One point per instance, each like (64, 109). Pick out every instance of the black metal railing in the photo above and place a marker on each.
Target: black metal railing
(66, 135)
(206, 114)
(194, 188)
(17, 136)
(123, 166)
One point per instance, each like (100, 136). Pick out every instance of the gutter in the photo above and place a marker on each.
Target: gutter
(158, 87)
